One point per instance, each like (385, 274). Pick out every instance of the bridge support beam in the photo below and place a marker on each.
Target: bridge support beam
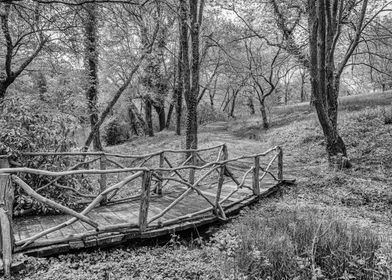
(6, 209)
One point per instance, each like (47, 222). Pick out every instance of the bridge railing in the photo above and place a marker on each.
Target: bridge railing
(154, 174)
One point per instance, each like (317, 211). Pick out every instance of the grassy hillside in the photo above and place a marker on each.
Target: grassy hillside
(331, 225)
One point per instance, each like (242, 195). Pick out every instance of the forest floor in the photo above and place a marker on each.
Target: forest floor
(360, 196)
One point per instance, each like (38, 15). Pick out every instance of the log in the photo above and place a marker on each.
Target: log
(256, 172)
(116, 155)
(52, 203)
(144, 201)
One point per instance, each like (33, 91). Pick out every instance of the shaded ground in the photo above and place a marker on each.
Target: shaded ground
(361, 196)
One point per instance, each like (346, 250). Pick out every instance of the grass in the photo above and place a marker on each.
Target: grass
(332, 225)
(301, 243)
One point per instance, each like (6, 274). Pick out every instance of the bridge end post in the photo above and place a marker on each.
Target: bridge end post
(280, 164)
(144, 200)
(6, 209)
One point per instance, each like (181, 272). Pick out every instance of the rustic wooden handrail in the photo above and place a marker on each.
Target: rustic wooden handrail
(201, 178)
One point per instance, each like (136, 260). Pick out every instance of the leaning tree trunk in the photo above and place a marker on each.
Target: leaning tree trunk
(264, 114)
(136, 120)
(91, 54)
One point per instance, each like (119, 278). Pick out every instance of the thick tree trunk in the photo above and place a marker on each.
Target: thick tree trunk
(169, 114)
(160, 109)
(3, 90)
(325, 101)
(148, 115)
(264, 115)
(91, 54)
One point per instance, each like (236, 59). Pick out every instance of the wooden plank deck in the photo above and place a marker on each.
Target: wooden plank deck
(68, 238)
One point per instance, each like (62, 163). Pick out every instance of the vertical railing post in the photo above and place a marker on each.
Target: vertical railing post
(221, 179)
(280, 164)
(158, 189)
(256, 172)
(102, 181)
(6, 209)
(144, 200)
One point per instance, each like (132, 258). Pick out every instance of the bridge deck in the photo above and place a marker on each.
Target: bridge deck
(69, 238)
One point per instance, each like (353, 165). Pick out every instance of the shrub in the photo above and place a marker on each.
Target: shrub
(297, 245)
(26, 127)
(207, 114)
(115, 133)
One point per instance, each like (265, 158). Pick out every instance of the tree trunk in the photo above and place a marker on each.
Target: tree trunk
(169, 114)
(233, 103)
(251, 105)
(264, 114)
(136, 120)
(160, 109)
(180, 78)
(148, 115)
(91, 54)
(303, 96)
(325, 102)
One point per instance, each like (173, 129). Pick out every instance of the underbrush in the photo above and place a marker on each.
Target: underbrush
(301, 244)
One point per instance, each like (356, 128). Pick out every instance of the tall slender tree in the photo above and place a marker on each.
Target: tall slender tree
(91, 62)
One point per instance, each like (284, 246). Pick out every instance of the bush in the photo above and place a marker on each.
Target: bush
(207, 114)
(27, 127)
(115, 133)
(305, 245)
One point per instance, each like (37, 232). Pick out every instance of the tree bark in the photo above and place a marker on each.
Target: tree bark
(136, 120)
(160, 109)
(91, 56)
(148, 115)
(325, 102)
(180, 79)
(264, 114)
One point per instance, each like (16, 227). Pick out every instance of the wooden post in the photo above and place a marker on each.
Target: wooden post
(219, 188)
(158, 189)
(280, 164)
(256, 172)
(6, 208)
(102, 181)
(144, 200)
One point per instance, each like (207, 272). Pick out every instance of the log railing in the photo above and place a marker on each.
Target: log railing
(151, 175)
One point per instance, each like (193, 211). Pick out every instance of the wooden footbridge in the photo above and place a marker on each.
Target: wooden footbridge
(132, 196)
